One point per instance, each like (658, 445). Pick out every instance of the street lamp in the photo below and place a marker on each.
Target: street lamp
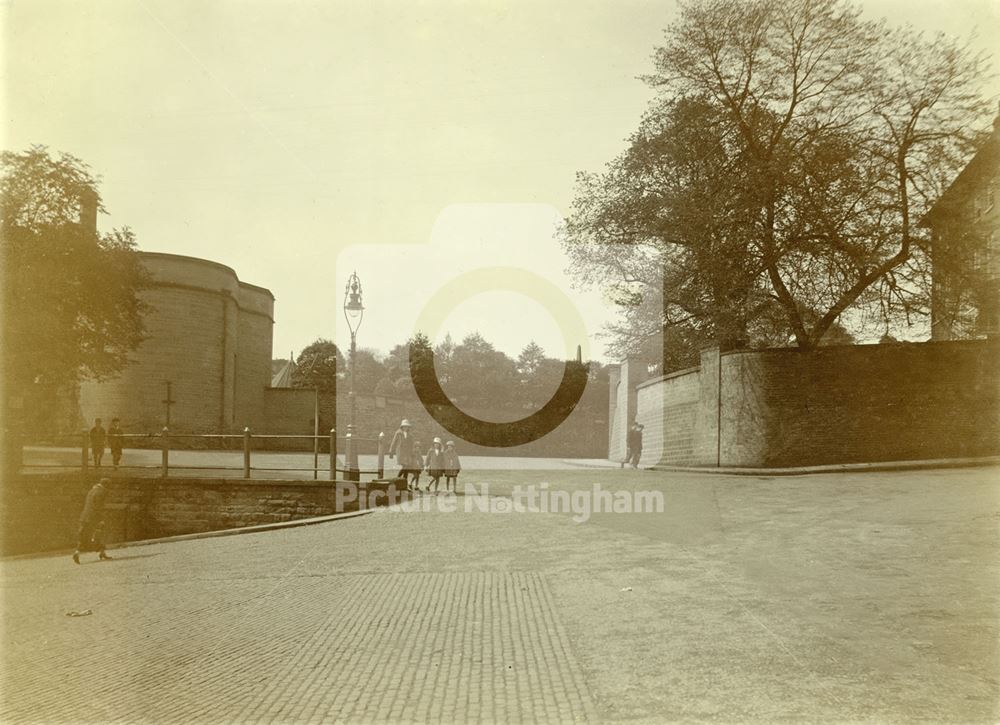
(354, 311)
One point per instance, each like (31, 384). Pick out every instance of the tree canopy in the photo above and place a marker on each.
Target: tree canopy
(472, 373)
(369, 371)
(71, 297)
(317, 366)
(477, 375)
(777, 180)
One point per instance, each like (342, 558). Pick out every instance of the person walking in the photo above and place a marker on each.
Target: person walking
(115, 442)
(97, 438)
(452, 466)
(435, 464)
(629, 436)
(418, 467)
(90, 535)
(402, 449)
(635, 444)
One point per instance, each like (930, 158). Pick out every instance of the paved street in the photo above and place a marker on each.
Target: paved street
(806, 598)
(270, 464)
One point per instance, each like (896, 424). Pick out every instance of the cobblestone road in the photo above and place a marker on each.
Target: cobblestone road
(302, 625)
(824, 598)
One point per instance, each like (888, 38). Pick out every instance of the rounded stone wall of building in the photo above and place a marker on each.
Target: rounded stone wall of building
(208, 344)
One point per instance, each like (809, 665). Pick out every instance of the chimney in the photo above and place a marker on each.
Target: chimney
(88, 210)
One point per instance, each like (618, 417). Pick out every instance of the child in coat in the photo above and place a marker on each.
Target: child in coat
(452, 467)
(418, 467)
(435, 464)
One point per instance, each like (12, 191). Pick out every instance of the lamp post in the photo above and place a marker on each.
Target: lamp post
(354, 311)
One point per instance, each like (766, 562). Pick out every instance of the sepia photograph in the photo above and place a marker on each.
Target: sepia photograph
(487, 361)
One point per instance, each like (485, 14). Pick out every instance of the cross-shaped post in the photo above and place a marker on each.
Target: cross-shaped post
(167, 403)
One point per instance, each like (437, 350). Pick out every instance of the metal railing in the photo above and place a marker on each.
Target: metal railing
(248, 437)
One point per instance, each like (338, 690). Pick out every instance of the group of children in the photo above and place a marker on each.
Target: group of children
(440, 460)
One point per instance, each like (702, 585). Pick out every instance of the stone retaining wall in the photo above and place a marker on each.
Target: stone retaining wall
(40, 512)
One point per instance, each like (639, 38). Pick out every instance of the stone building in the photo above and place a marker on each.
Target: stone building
(965, 237)
(208, 340)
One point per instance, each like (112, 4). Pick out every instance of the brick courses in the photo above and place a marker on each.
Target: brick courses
(207, 333)
(838, 404)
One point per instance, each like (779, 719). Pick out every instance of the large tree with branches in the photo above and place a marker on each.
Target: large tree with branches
(777, 180)
(71, 298)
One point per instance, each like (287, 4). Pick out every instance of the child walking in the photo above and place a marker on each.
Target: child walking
(418, 467)
(435, 464)
(452, 467)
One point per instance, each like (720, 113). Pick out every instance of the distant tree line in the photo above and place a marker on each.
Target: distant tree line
(473, 373)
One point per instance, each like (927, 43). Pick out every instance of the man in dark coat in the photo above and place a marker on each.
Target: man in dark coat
(91, 532)
(115, 442)
(97, 436)
(634, 440)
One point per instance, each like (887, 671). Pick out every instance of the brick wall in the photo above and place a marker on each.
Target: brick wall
(839, 404)
(872, 402)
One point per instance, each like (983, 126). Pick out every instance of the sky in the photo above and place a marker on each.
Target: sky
(414, 142)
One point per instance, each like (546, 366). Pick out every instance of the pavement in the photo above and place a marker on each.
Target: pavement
(299, 466)
(834, 597)
(271, 464)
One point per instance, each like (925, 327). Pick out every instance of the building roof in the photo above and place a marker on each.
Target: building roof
(980, 169)
(283, 378)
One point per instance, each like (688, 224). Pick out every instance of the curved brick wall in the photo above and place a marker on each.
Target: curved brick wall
(207, 333)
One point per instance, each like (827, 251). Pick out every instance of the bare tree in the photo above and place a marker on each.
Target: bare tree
(784, 167)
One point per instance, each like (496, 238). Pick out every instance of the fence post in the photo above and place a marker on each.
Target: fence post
(351, 472)
(85, 451)
(165, 444)
(246, 452)
(381, 455)
(333, 454)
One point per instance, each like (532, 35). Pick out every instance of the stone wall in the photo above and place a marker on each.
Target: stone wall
(838, 404)
(290, 410)
(582, 434)
(192, 361)
(207, 333)
(253, 350)
(41, 513)
(622, 408)
(670, 418)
